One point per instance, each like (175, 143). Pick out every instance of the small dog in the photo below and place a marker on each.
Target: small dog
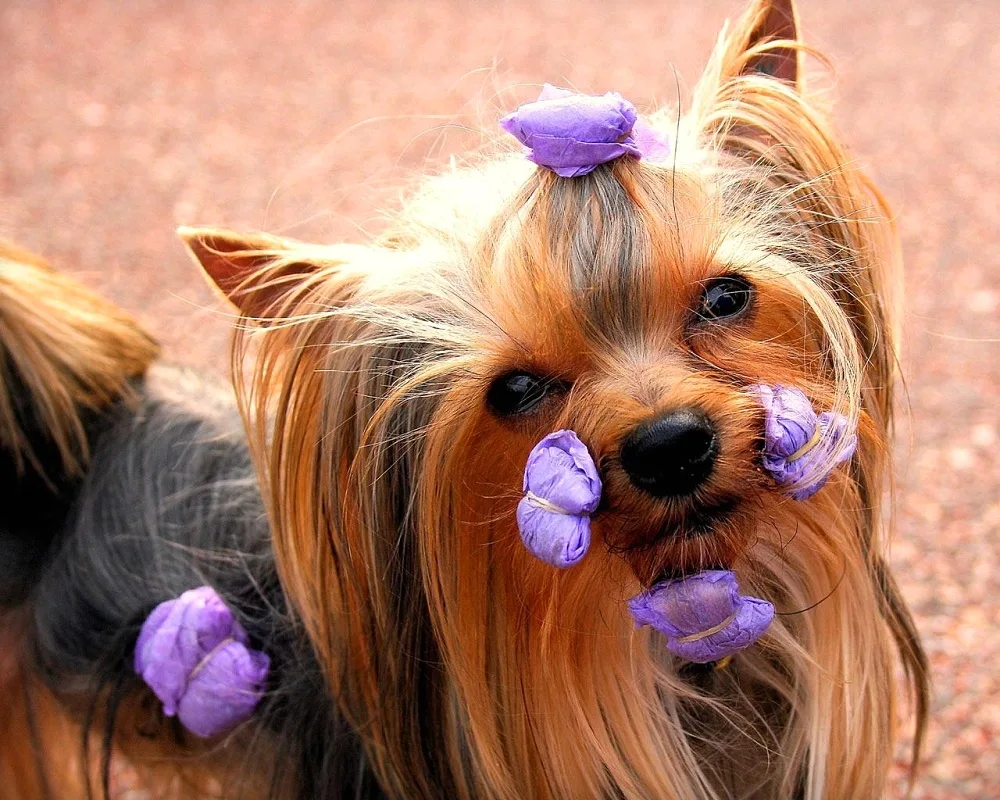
(391, 393)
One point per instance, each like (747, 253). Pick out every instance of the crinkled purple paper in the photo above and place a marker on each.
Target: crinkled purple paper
(560, 470)
(194, 655)
(789, 424)
(572, 134)
(697, 603)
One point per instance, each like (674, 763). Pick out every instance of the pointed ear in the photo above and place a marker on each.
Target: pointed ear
(764, 42)
(752, 78)
(766, 24)
(253, 271)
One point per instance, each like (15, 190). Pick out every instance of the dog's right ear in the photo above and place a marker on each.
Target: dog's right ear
(255, 272)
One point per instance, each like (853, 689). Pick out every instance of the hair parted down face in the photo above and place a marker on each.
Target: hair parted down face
(383, 413)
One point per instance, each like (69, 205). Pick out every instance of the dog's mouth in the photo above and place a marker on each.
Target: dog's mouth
(699, 537)
(697, 521)
(673, 572)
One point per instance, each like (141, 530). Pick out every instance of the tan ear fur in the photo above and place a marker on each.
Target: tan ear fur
(771, 21)
(242, 266)
(752, 49)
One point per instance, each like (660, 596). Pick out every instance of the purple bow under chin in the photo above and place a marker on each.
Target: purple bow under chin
(801, 448)
(703, 616)
(561, 490)
(196, 658)
(572, 134)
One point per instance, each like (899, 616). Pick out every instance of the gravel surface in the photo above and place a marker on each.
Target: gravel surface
(119, 121)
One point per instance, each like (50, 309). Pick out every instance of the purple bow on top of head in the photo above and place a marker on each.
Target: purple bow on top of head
(798, 443)
(561, 490)
(703, 616)
(196, 658)
(572, 133)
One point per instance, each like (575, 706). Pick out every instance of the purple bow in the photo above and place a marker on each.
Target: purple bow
(572, 133)
(561, 490)
(194, 655)
(703, 616)
(798, 443)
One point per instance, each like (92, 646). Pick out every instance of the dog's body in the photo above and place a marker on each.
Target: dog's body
(389, 421)
(124, 483)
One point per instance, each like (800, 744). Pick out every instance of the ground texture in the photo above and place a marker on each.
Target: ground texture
(119, 121)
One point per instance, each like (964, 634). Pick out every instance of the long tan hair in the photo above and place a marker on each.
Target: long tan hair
(65, 353)
(471, 670)
(70, 351)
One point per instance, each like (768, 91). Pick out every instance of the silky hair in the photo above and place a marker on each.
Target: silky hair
(66, 349)
(467, 668)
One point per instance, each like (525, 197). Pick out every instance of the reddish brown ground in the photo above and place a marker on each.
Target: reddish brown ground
(119, 121)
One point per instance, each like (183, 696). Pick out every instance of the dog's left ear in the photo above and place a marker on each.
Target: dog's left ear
(764, 42)
(764, 39)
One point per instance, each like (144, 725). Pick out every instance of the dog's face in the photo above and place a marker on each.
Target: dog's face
(635, 307)
(400, 386)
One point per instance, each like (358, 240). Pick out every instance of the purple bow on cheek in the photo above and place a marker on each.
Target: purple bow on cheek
(799, 445)
(561, 490)
(196, 658)
(703, 616)
(572, 134)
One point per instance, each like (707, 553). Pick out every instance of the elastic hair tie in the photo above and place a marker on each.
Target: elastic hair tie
(814, 440)
(545, 505)
(196, 658)
(571, 134)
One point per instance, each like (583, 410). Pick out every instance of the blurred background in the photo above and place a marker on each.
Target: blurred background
(120, 121)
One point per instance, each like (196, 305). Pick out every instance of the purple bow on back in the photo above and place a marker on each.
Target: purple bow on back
(195, 656)
(572, 134)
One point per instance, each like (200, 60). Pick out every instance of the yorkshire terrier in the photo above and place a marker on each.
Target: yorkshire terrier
(391, 394)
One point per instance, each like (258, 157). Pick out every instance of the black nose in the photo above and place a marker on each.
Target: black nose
(671, 455)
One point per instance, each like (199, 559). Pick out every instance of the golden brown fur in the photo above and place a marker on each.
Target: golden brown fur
(465, 667)
(64, 353)
(67, 356)
(470, 669)
(72, 350)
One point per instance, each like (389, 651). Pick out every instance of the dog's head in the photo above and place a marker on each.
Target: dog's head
(399, 386)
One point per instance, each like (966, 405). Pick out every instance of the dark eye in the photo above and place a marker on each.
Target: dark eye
(724, 298)
(518, 392)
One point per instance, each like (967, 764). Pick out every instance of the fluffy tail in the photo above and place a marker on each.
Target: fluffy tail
(65, 355)
(119, 489)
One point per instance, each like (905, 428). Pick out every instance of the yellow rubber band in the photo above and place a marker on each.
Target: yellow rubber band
(208, 656)
(695, 637)
(817, 435)
(545, 505)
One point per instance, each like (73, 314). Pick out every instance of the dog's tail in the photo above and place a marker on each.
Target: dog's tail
(65, 356)
(64, 353)
(120, 489)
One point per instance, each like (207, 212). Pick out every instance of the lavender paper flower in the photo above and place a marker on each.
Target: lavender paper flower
(572, 134)
(703, 616)
(194, 655)
(562, 489)
(798, 443)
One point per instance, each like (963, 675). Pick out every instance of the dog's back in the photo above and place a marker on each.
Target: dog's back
(124, 484)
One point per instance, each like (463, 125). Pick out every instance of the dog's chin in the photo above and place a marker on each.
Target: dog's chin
(709, 535)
